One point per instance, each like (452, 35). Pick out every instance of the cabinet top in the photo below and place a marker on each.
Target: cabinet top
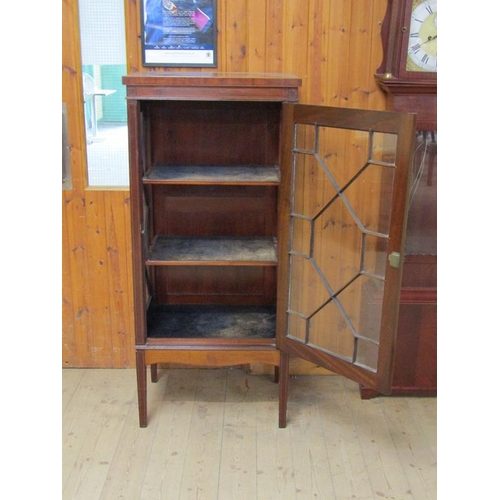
(212, 86)
(212, 79)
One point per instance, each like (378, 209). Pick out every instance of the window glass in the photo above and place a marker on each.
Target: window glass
(102, 32)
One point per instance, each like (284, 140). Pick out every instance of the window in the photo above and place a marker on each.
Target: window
(102, 32)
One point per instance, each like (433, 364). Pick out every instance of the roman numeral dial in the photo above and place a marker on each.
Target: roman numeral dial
(422, 39)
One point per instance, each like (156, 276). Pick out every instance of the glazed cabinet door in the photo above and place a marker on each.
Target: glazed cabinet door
(343, 208)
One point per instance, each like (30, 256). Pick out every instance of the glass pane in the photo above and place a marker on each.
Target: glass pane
(367, 355)
(422, 217)
(298, 326)
(370, 197)
(310, 179)
(341, 199)
(383, 148)
(305, 137)
(301, 236)
(337, 245)
(307, 289)
(102, 33)
(341, 150)
(362, 303)
(374, 255)
(330, 332)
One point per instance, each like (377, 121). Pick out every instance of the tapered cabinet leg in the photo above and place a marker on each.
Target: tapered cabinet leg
(154, 372)
(284, 375)
(140, 357)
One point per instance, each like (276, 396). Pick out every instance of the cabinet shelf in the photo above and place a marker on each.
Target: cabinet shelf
(211, 322)
(211, 174)
(176, 250)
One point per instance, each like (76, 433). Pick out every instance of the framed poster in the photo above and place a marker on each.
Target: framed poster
(179, 33)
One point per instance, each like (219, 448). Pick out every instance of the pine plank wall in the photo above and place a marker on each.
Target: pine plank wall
(333, 45)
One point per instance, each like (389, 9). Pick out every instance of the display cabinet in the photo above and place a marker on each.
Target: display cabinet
(261, 228)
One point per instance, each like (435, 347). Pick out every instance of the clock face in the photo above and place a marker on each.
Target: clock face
(422, 40)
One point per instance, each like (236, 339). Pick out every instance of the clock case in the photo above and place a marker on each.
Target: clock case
(415, 372)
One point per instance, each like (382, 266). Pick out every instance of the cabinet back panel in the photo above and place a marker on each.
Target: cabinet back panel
(214, 133)
(214, 211)
(215, 285)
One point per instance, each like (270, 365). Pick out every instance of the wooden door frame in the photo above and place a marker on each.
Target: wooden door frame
(403, 125)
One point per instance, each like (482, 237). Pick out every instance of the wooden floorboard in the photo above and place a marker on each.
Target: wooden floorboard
(213, 434)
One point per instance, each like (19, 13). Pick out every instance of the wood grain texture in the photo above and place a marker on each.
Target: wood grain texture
(334, 47)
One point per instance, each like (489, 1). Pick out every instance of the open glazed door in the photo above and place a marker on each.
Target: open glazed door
(343, 205)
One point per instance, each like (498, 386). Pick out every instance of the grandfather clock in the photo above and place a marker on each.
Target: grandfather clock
(408, 76)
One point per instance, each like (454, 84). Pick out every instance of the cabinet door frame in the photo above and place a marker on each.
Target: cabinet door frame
(402, 125)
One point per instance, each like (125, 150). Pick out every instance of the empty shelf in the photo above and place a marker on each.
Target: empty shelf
(211, 322)
(208, 174)
(174, 250)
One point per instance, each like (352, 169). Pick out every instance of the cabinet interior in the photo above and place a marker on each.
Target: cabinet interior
(210, 180)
